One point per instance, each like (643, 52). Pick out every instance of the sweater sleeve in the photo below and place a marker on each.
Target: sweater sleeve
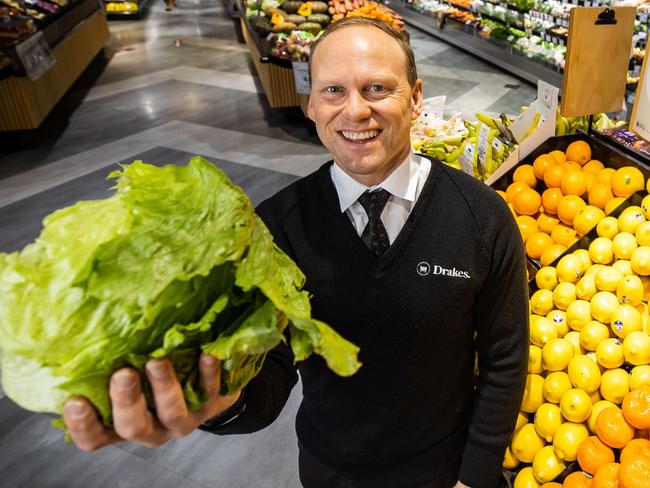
(501, 321)
(267, 393)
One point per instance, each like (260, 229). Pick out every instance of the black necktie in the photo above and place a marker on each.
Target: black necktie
(374, 236)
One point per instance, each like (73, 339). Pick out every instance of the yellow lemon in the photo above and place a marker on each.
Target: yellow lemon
(555, 385)
(558, 317)
(593, 334)
(546, 278)
(640, 260)
(607, 227)
(583, 254)
(542, 330)
(584, 373)
(630, 290)
(593, 269)
(601, 251)
(522, 419)
(595, 410)
(556, 354)
(569, 268)
(526, 442)
(575, 405)
(630, 219)
(603, 305)
(526, 479)
(586, 218)
(546, 465)
(612, 204)
(624, 245)
(541, 302)
(623, 266)
(642, 234)
(574, 338)
(626, 319)
(547, 419)
(645, 206)
(595, 397)
(509, 461)
(636, 348)
(609, 353)
(535, 359)
(614, 385)
(567, 439)
(586, 287)
(608, 278)
(639, 376)
(533, 395)
(563, 295)
(578, 314)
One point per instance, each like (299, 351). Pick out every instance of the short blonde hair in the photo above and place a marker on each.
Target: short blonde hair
(400, 37)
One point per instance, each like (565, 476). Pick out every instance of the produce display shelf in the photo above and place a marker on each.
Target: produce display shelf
(509, 60)
(143, 8)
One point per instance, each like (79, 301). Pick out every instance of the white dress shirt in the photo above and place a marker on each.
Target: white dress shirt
(404, 185)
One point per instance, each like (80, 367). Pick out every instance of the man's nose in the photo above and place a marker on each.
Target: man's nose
(356, 106)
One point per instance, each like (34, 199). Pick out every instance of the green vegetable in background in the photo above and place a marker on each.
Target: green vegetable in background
(174, 263)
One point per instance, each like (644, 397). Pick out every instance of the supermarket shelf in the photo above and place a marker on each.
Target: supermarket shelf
(143, 8)
(516, 64)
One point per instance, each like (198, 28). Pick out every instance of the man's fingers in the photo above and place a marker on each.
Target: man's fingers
(131, 417)
(210, 374)
(85, 428)
(171, 408)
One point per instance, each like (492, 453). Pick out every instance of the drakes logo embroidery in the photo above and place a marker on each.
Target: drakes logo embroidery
(424, 268)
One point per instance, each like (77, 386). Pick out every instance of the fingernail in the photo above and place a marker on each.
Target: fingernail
(208, 360)
(124, 380)
(75, 409)
(157, 369)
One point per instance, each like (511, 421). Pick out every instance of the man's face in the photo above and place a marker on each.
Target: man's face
(362, 103)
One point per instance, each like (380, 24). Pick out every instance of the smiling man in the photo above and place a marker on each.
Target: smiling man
(417, 263)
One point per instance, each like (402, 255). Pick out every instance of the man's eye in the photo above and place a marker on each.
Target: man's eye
(332, 89)
(376, 88)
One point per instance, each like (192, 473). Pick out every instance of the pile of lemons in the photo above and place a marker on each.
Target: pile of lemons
(589, 345)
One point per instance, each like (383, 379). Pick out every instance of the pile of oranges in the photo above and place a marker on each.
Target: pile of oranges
(562, 195)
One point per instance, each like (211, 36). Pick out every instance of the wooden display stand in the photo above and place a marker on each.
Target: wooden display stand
(25, 103)
(278, 82)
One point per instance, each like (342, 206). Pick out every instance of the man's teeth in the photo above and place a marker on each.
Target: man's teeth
(360, 136)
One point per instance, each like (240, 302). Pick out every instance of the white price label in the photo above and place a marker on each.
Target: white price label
(35, 56)
(483, 136)
(587, 3)
(643, 17)
(466, 159)
(301, 77)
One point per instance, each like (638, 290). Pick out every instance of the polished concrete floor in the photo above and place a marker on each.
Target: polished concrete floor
(143, 98)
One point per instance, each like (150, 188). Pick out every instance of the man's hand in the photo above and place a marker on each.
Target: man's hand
(132, 420)
(460, 484)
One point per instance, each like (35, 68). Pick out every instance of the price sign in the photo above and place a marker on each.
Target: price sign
(466, 159)
(35, 56)
(643, 17)
(301, 77)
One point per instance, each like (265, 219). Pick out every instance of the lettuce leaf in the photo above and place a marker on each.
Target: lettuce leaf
(174, 263)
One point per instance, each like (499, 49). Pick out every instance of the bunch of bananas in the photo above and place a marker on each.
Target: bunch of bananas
(570, 125)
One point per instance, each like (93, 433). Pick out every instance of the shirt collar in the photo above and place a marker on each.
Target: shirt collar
(402, 183)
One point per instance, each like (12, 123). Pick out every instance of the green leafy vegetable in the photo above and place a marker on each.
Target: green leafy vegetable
(174, 263)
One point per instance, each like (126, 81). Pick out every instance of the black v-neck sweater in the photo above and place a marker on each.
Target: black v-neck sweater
(411, 412)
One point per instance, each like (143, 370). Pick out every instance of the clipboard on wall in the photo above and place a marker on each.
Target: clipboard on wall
(598, 54)
(640, 119)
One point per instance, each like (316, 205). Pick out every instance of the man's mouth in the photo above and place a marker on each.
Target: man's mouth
(360, 136)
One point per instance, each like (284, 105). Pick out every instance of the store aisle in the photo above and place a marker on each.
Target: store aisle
(145, 99)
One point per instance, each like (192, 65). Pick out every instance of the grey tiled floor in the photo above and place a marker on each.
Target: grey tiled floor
(144, 99)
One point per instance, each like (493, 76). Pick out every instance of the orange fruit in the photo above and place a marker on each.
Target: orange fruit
(578, 151)
(577, 480)
(536, 244)
(547, 222)
(592, 180)
(527, 226)
(553, 176)
(636, 407)
(502, 194)
(552, 484)
(636, 447)
(592, 454)
(527, 202)
(572, 165)
(605, 175)
(635, 472)
(594, 167)
(564, 234)
(568, 207)
(558, 155)
(600, 194)
(551, 198)
(551, 253)
(526, 174)
(573, 183)
(613, 429)
(514, 188)
(626, 181)
(613, 204)
(606, 476)
(541, 164)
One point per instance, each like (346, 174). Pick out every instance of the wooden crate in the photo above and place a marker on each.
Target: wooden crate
(25, 103)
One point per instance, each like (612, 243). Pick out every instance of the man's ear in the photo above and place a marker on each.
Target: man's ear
(310, 110)
(417, 100)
